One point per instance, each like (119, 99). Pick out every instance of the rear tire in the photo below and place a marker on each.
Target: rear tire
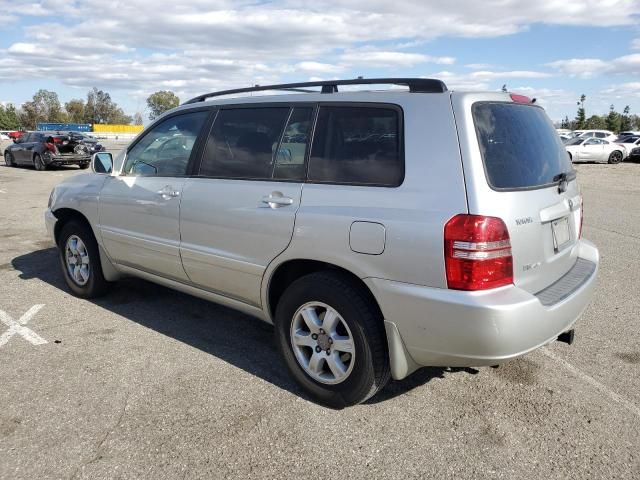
(8, 159)
(77, 247)
(359, 328)
(38, 163)
(615, 157)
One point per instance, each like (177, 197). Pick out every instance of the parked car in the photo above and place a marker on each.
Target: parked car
(634, 155)
(44, 149)
(604, 134)
(628, 143)
(630, 133)
(16, 135)
(589, 149)
(378, 231)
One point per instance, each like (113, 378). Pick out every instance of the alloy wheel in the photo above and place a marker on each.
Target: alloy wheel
(322, 343)
(77, 259)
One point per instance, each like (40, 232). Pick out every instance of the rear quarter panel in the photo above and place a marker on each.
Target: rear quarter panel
(413, 214)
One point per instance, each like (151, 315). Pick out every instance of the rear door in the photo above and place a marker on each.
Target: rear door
(139, 209)
(517, 169)
(238, 212)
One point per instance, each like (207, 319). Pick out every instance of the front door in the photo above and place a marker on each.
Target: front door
(139, 208)
(238, 213)
(592, 150)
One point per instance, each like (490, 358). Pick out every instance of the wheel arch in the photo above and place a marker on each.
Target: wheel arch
(64, 216)
(290, 270)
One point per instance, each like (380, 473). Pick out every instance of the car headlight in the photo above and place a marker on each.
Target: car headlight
(636, 151)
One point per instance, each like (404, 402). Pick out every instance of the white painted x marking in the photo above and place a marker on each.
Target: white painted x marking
(19, 327)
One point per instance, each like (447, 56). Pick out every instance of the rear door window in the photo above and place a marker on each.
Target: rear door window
(519, 146)
(243, 142)
(357, 146)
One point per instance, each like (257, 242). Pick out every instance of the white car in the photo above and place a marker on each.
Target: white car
(605, 134)
(589, 149)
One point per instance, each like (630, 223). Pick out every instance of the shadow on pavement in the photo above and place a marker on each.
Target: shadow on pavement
(238, 339)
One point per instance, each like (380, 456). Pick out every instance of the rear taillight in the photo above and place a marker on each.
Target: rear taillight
(51, 147)
(477, 253)
(581, 218)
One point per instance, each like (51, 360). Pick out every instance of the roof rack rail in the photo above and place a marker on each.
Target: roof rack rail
(416, 85)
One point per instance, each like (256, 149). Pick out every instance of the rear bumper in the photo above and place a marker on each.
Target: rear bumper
(441, 327)
(66, 160)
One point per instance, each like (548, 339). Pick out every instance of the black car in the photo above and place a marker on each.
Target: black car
(44, 149)
(634, 155)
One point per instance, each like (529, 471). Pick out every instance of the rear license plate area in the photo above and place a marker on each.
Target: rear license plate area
(561, 233)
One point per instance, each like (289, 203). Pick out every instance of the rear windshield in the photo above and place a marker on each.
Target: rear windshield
(519, 146)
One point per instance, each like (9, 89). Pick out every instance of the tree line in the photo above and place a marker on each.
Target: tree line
(614, 121)
(45, 107)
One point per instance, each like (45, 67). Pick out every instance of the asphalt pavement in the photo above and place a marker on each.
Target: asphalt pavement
(150, 383)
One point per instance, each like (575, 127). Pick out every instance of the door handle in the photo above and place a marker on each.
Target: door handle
(277, 200)
(168, 192)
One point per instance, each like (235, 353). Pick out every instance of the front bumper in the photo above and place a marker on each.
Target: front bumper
(50, 222)
(441, 327)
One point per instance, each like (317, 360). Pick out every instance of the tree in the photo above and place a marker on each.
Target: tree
(11, 118)
(581, 114)
(137, 118)
(75, 110)
(45, 107)
(625, 119)
(595, 122)
(504, 88)
(613, 120)
(566, 123)
(101, 109)
(160, 102)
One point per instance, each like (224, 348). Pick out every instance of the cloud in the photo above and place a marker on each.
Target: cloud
(590, 67)
(623, 91)
(635, 44)
(391, 59)
(145, 45)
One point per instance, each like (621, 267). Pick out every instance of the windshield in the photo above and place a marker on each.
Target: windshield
(519, 145)
(575, 141)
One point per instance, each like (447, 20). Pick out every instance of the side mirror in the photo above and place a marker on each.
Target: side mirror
(102, 162)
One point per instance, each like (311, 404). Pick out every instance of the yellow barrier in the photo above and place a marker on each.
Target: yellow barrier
(107, 128)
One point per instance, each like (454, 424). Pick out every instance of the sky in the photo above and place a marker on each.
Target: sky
(554, 50)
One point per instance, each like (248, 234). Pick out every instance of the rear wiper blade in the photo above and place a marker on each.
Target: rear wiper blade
(561, 177)
(563, 180)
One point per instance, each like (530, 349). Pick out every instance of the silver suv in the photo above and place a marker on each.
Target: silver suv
(379, 231)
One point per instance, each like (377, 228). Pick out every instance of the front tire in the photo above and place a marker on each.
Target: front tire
(80, 261)
(332, 338)
(615, 157)
(38, 163)
(8, 159)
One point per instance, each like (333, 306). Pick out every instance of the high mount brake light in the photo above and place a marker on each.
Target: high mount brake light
(520, 98)
(477, 253)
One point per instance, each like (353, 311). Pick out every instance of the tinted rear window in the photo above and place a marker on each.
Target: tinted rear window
(519, 146)
(357, 146)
